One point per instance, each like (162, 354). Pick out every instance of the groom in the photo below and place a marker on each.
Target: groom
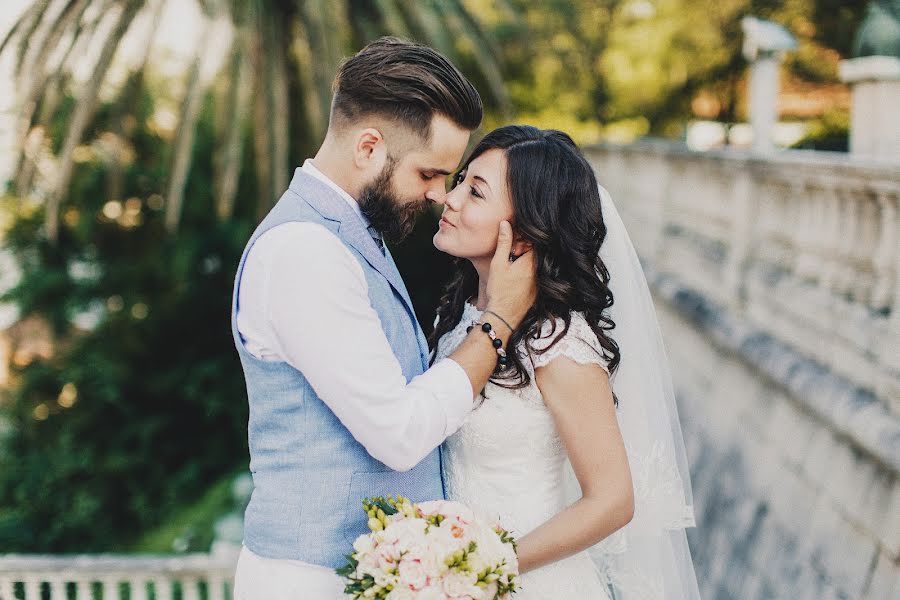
(342, 402)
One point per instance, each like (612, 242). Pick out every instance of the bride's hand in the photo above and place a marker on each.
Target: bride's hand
(511, 288)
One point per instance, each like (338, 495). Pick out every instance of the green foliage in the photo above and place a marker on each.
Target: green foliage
(830, 132)
(191, 528)
(159, 411)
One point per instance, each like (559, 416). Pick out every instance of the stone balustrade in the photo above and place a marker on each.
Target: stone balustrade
(777, 284)
(116, 577)
(805, 246)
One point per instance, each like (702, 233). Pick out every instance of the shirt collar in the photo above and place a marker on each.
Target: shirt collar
(310, 169)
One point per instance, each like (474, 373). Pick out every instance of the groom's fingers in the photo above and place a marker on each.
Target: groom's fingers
(504, 242)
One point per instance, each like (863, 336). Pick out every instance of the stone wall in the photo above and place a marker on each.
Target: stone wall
(787, 378)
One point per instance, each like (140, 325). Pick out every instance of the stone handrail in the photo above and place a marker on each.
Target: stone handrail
(115, 577)
(795, 257)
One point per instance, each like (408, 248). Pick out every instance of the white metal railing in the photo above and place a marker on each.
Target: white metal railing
(116, 577)
(804, 245)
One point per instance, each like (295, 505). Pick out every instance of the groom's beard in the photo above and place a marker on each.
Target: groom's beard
(386, 211)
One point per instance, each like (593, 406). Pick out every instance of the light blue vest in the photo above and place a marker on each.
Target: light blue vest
(309, 474)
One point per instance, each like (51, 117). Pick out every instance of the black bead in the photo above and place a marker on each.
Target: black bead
(497, 342)
(485, 327)
(503, 361)
(469, 328)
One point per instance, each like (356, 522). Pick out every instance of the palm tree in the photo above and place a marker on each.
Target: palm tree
(274, 46)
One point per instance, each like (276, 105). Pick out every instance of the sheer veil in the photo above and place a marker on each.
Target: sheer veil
(649, 558)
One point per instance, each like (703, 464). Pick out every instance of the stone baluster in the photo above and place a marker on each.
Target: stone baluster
(807, 261)
(110, 587)
(6, 588)
(138, 588)
(83, 589)
(57, 588)
(216, 586)
(886, 260)
(831, 234)
(190, 588)
(863, 252)
(850, 218)
(32, 588)
(742, 228)
(162, 587)
(785, 214)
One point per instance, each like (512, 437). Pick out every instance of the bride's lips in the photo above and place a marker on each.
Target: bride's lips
(444, 222)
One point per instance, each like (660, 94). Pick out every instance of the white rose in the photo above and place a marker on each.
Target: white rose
(431, 593)
(460, 586)
(363, 544)
(402, 593)
(368, 565)
(405, 531)
(413, 574)
(387, 556)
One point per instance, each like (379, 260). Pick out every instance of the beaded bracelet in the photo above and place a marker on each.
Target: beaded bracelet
(486, 327)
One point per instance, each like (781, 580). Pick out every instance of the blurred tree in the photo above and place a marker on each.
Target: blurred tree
(618, 69)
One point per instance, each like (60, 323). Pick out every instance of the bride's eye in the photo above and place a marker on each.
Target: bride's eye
(474, 191)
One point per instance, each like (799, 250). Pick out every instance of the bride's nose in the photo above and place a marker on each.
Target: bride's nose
(451, 199)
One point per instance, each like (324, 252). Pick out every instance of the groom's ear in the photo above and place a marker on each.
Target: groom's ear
(370, 151)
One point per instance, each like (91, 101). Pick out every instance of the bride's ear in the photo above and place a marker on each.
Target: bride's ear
(520, 246)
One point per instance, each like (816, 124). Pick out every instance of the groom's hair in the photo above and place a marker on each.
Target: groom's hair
(405, 82)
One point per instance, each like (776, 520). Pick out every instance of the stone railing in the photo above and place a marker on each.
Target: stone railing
(777, 283)
(116, 577)
(803, 246)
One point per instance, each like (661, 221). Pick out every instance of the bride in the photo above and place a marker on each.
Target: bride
(576, 447)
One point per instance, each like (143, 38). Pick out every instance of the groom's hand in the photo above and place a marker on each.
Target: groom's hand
(511, 288)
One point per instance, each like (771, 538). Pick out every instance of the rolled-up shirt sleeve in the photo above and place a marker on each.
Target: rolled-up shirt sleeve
(317, 307)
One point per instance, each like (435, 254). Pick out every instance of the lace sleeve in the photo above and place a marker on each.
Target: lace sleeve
(580, 343)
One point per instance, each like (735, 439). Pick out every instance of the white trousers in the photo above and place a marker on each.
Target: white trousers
(259, 578)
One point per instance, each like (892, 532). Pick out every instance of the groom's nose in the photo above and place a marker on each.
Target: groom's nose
(438, 197)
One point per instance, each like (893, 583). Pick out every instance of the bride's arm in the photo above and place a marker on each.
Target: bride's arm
(580, 400)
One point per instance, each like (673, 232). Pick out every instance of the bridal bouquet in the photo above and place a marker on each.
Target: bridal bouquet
(431, 550)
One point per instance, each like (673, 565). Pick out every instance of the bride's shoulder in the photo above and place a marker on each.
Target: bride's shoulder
(575, 340)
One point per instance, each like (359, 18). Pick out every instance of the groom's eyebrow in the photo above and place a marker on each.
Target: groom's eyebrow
(440, 172)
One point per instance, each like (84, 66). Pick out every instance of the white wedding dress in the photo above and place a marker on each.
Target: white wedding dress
(508, 464)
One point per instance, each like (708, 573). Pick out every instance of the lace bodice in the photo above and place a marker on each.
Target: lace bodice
(507, 462)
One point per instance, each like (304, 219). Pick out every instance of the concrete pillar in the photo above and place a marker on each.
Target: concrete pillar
(764, 46)
(875, 114)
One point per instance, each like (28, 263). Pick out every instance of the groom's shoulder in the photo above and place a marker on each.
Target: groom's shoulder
(298, 206)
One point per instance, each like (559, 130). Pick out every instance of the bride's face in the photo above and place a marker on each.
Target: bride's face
(474, 208)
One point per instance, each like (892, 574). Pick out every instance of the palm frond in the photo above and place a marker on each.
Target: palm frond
(30, 24)
(199, 80)
(235, 114)
(456, 18)
(84, 111)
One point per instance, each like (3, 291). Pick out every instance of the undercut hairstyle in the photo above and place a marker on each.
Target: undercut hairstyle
(405, 82)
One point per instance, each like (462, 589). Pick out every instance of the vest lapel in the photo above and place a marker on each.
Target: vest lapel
(420, 335)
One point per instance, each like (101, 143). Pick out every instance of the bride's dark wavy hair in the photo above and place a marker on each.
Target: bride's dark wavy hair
(556, 207)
